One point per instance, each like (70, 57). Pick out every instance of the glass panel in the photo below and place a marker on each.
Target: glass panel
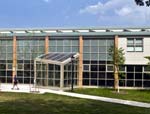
(59, 49)
(9, 49)
(121, 68)
(94, 56)
(94, 49)
(67, 49)
(2, 66)
(102, 68)
(138, 75)
(3, 42)
(75, 42)
(60, 42)
(94, 68)
(86, 43)
(130, 75)
(41, 49)
(110, 82)
(102, 56)
(86, 74)
(102, 49)
(9, 42)
(102, 75)
(94, 82)
(101, 83)
(52, 49)
(52, 43)
(75, 49)
(94, 42)
(102, 42)
(138, 48)
(130, 41)
(110, 42)
(139, 41)
(9, 56)
(146, 68)
(110, 76)
(86, 56)
(41, 42)
(138, 83)
(9, 66)
(109, 68)
(20, 66)
(146, 83)
(138, 69)
(130, 49)
(86, 67)
(86, 49)
(130, 68)
(67, 42)
(85, 81)
(130, 83)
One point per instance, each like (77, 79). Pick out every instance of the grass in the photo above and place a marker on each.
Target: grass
(136, 95)
(22, 103)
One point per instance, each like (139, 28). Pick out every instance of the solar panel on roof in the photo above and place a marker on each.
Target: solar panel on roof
(57, 56)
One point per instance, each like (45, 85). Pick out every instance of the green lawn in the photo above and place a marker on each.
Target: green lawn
(21, 103)
(137, 95)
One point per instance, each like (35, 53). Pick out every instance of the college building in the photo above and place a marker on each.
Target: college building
(54, 56)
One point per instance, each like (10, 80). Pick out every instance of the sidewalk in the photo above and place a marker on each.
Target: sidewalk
(26, 88)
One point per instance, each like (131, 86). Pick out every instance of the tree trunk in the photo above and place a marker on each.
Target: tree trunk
(116, 80)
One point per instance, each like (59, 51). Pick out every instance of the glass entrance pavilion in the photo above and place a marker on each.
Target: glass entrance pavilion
(56, 69)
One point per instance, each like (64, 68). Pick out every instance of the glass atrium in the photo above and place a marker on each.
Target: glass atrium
(56, 69)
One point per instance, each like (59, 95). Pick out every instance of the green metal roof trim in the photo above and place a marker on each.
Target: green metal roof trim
(103, 31)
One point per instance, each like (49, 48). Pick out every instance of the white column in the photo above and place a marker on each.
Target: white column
(61, 76)
(34, 72)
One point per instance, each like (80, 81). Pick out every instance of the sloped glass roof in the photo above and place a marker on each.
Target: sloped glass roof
(58, 58)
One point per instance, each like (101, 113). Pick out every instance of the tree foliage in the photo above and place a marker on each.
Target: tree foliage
(142, 2)
(148, 64)
(118, 59)
(117, 56)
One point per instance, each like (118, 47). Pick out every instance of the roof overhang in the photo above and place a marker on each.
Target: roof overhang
(58, 61)
(108, 31)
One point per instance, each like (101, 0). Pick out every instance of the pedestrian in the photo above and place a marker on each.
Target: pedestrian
(15, 82)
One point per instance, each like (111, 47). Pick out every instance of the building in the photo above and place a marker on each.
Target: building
(46, 55)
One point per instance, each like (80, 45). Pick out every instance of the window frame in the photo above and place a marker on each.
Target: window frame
(135, 45)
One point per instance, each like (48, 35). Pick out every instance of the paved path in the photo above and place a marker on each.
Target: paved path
(27, 89)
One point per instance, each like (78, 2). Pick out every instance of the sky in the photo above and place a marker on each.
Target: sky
(72, 13)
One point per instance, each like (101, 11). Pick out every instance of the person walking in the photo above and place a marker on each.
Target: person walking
(15, 82)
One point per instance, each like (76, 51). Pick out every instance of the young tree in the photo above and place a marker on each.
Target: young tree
(148, 58)
(118, 59)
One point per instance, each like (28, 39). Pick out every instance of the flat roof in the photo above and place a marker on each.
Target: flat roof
(108, 31)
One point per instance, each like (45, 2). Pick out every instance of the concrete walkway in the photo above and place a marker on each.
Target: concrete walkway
(28, 88)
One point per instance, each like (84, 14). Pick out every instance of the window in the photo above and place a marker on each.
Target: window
(135, 44)
(86, 67)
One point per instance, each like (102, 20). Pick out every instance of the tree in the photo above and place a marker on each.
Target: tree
(118, 59)
(148, 58)
(142, 2)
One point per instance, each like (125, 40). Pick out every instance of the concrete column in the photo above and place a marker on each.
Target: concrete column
(35, 72)
(46, 44)
(61, 76)
(116, 41)
(80, 61)
(46, 52)
(14, 69)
